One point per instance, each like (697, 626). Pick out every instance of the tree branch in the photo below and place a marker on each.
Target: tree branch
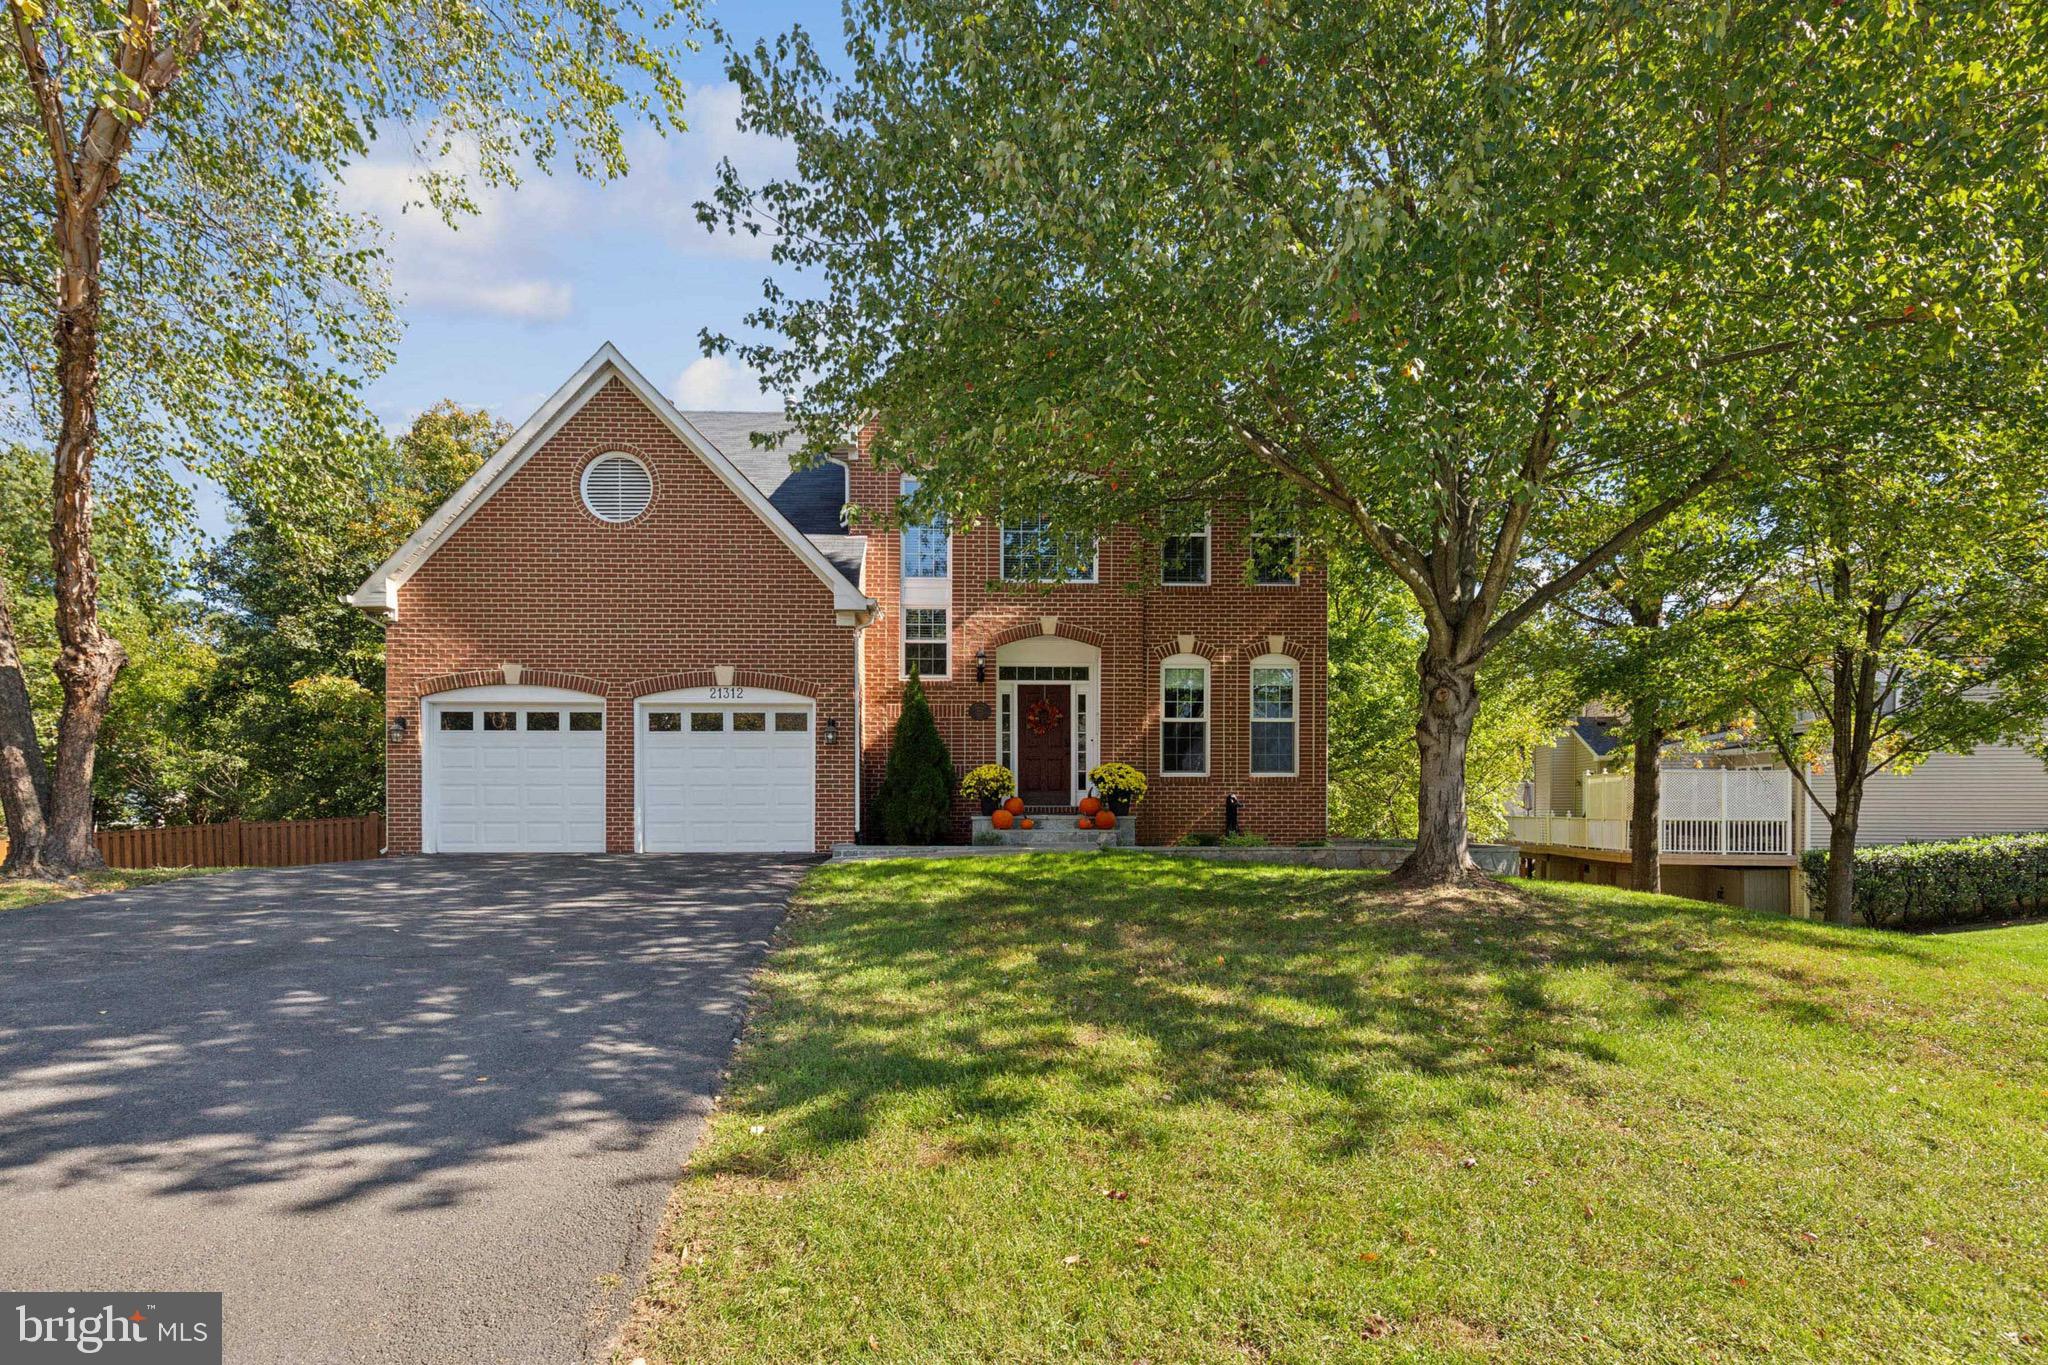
(49, 105)
(1545, 593)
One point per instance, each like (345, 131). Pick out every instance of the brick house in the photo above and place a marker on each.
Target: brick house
(634, 630)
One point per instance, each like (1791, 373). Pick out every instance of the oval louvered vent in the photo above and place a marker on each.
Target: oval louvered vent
(617, 487)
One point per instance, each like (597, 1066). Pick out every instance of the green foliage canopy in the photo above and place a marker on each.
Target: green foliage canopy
(298, 699)
(1428, 276)
(244, 304)
(1910, 615)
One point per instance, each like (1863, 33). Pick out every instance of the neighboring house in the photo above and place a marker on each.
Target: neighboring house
(1735, 821)
(633, 629)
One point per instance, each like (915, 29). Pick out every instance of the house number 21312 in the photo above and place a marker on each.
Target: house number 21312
(728, 694)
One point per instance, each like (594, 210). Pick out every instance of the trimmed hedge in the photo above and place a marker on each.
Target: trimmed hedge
(1908, 886)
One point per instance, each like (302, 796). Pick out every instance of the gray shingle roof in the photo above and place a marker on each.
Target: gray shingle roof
(809, 494)
(845, 552)
(1598, 734)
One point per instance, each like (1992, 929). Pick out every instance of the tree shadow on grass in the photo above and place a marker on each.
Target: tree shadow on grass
(1003, 986)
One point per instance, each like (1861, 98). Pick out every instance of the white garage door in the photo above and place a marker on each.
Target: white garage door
(510, 777)
(726, 779)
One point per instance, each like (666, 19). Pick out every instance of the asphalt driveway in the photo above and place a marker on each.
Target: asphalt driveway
(418, 1110)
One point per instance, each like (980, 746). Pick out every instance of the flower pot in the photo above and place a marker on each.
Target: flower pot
(989, 804)
(1120, 803)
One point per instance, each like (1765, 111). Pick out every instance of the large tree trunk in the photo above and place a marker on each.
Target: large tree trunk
(1840, 902)
(1853, 727)
(88, 659)
(24, 777)
(1645, 813)
(1450, 703)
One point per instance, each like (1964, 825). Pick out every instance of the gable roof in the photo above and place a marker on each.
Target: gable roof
(1596, 734)
(808, 490)
(379, 592)
(811, 492)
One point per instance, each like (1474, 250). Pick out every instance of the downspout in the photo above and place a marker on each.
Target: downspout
(860, 687)
(384, 780)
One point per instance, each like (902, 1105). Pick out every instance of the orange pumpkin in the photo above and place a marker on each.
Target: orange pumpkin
(1084, 823)
(1028, 823)
(1015, 805)
(1105, 819)
(1090, 805)
(1002, 819)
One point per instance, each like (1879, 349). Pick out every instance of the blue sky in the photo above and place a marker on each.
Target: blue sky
(499, 310)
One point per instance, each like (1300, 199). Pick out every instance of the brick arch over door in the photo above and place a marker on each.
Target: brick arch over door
(1035, 630)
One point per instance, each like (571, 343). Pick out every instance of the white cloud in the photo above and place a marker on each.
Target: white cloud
(493, 263)
(512, 257)
(671, 174)
(720, 382)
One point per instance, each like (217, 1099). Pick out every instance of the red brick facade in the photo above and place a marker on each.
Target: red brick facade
(1134, 628)
(698, 582)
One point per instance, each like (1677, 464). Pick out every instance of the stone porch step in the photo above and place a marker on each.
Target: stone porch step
(1054, 832)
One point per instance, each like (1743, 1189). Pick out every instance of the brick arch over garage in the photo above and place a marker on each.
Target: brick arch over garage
(498, 677)
(706, 677)
(1035, 630)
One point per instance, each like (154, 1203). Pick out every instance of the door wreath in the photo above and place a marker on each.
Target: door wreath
(1042, 715)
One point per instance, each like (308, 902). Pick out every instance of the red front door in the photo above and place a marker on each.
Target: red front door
(1045, 743)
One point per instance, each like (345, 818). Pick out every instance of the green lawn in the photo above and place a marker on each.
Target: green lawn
(1119, 1107)
(16, 894)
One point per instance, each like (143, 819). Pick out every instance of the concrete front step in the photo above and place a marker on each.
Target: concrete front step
(1056, 831)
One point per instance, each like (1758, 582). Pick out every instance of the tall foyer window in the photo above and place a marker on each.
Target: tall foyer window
(1184, 716)
(927, 545)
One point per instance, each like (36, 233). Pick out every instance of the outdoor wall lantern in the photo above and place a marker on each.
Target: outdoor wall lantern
(981, 665)
(832, 731)
(397, 730)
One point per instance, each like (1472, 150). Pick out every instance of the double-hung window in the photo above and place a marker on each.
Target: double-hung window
(1033, 552)
(1184, 553)
(925, 642)
(1274, 717)
(1276, 557)
(1184, 716)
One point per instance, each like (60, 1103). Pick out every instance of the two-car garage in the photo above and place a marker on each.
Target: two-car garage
(523, 770)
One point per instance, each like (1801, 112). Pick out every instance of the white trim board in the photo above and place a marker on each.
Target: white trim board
(379, 592)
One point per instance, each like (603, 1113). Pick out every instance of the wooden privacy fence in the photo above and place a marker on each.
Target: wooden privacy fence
(243, 843)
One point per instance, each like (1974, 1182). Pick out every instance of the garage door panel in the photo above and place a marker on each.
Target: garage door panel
(518, 790)
(710, 786)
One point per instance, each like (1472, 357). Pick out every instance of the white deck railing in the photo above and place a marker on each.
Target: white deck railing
(1740, 812)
